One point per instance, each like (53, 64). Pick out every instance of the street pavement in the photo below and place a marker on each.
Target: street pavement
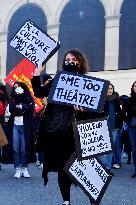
(121, 191)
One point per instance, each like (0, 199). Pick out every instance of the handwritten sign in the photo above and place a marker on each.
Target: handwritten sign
(23, 72)
(34, 44)
(91, 176)
(92, 137)
(75, 89)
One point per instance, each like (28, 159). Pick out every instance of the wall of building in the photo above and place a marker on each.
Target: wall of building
(53, 10)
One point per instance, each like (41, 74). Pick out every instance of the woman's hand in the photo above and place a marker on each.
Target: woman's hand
(78, 108)
(19, 106)
(38, 70)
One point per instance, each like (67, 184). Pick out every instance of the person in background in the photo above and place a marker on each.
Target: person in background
(3, 101)
(125, 142)
(7, 151)
(112, 110)
(56, 135)
(21, 108)
(131, 120)
(3, 104)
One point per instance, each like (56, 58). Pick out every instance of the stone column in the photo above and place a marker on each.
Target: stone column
(3, 54)
(51, 66)
(111, 42)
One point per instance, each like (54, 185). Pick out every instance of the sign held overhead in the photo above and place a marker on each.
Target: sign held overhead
(34, 44)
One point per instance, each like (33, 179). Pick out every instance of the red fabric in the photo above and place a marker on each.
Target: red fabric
(3, 106)
(23, 72)
(2, 109)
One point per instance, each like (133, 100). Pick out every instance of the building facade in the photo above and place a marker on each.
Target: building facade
(103, 29)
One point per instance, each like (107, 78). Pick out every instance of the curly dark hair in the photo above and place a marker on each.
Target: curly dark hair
(81, 59)
(132, 91)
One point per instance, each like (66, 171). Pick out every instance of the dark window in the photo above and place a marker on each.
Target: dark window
(27, 11)
(82, 25)
(127, 36)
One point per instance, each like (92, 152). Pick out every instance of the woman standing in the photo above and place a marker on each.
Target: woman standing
(112, 110)
(131, 119)
(21, 108)
(55, 132)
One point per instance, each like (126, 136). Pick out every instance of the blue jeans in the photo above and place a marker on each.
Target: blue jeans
(132, 138)
(107, 160)
(40, 156)
(19, 146)
(116, 134)
(116, 155)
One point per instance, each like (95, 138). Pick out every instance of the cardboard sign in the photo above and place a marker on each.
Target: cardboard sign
(34, 44)
(75, 89)
(23, 72)
(92, 137)
(90, 175)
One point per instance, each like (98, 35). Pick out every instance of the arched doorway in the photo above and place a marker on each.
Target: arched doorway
(127, 36)
(82, 25)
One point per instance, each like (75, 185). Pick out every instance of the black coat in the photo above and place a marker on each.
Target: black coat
(55, 135)
(118, 112)
(131, 108)
(2, 100)
(27, 109)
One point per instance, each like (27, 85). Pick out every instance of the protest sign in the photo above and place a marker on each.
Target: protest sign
(92, 137)
(23, 72)
(76, 89)
(34, 44)
(90, 175)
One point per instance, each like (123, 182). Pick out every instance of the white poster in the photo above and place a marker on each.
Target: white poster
(34, 44)
(90, 175)
(75, 89)
(92, 137)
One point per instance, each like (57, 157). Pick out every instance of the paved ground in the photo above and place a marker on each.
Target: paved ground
(121, 191)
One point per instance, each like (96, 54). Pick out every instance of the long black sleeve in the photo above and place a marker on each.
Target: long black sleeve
(40, 91)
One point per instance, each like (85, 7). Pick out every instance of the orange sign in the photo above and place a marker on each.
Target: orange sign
(23, 72)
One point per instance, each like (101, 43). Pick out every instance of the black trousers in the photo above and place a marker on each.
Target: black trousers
(125, 140)
(64, 184)
(63, 179)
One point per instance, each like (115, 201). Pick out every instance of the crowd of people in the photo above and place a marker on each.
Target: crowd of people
(48, 137)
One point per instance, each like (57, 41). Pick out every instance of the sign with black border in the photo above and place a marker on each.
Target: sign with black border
(91, 175)
(76, 89)
(92, 138)
(36, 45)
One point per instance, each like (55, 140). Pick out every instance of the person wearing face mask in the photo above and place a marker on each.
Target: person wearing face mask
(56, 137)
(21, 108)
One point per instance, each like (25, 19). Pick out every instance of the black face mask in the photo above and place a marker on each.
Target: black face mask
(71, 67)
